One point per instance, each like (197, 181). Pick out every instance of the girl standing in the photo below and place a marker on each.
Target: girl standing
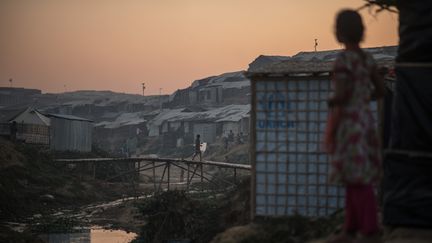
(351, 138)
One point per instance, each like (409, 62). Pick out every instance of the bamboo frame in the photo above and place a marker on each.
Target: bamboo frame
(156, 160)
(152, 164)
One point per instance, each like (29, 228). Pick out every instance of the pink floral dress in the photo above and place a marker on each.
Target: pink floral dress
(356, 157)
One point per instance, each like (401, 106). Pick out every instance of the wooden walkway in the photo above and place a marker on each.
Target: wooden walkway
(192, 169)
(143, 159)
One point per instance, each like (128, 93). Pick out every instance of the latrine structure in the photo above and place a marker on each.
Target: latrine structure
(288, 119)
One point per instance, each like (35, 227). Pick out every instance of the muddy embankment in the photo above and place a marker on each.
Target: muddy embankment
(45, 198)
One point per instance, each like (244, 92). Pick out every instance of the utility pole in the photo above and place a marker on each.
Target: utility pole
(316, 44)
(160, 98)
(143, 87)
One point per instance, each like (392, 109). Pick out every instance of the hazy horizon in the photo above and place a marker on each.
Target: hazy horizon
(115, 46)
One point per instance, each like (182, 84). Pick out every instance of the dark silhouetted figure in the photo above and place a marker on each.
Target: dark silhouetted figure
(242, 138)
(13, 131)
(197, 147)
(225, 141)
(231, 136)
(239, 138)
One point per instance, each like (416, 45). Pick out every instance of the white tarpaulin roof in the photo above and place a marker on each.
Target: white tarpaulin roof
(32, 116)
(124, 119)
(227, 113)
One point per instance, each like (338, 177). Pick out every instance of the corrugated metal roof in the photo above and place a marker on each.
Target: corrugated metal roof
(68, 117)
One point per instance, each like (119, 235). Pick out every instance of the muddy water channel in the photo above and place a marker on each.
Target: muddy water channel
(92, 235)
(105, 222)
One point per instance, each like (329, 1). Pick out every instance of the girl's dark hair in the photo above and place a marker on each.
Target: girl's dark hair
(349, 26)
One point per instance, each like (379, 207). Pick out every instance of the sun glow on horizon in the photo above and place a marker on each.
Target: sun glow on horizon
(117, 45)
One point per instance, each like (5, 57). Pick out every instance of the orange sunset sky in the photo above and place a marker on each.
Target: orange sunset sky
(118, 44)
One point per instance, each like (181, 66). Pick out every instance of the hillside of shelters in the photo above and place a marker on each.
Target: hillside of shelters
(216, 107)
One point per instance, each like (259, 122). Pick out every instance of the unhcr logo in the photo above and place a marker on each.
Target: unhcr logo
(275, 102)
(275, 124)
(275, 108)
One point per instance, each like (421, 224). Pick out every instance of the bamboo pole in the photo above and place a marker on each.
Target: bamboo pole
(168, 176)
(163, 175)
(154, 176)
(202, 179)
(187, 180)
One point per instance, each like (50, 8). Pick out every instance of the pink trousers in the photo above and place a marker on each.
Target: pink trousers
(361, 213)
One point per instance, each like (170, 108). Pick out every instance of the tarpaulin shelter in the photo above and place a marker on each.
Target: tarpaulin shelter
(33, 127)
(407, 188)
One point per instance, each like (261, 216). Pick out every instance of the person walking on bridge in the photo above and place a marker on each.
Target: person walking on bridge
(197, 147)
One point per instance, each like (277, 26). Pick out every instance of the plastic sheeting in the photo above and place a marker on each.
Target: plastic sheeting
(407, 191)
(412, 114)
(407, 186)
(415, 31)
